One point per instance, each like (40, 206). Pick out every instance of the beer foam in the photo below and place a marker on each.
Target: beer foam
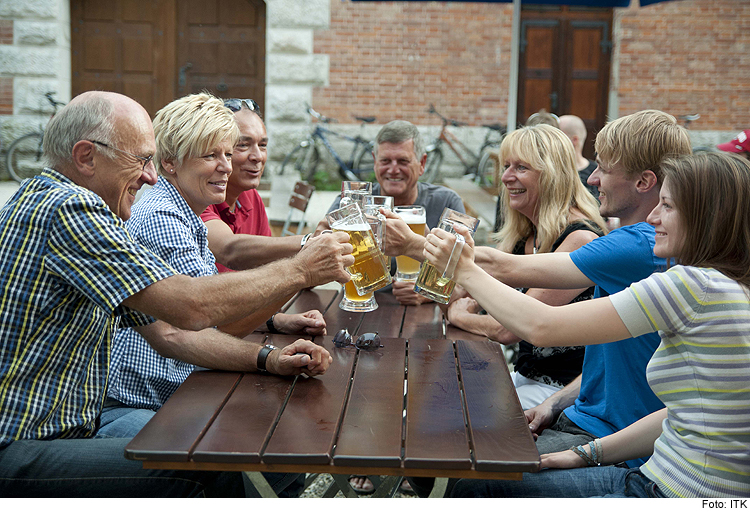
(411, 219)
(352, 227)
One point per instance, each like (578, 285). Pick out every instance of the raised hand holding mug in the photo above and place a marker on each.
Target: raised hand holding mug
(433, 283)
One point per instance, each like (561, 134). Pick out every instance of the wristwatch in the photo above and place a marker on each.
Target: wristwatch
(304, 240)
(263, 355)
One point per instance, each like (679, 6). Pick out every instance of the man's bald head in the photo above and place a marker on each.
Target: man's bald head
(573, 126)
(94, 115)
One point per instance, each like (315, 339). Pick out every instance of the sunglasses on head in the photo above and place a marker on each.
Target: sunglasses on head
(366, 342)
(236, 104)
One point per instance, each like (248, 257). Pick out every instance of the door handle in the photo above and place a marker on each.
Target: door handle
(182, 77)
(553, 101)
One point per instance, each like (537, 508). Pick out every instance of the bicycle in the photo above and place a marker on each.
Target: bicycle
(479, 165)
(24, 156)
(306, 155)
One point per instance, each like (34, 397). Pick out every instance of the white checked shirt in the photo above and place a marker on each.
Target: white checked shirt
(163, 222)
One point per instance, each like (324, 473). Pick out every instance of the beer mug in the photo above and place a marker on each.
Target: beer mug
(436, 285)
(407, 269)
(368, 272)
(352, 301)
(354, 192)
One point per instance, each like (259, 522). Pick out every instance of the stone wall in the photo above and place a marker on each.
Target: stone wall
(34, 59)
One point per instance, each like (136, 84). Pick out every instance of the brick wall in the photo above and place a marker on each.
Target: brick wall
(391, 59)
(689, 56)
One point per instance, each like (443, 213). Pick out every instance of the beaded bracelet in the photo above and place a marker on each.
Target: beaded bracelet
(596, 455)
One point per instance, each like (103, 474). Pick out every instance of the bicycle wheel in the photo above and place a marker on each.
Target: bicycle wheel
(364, 165)
(432, 167)
(486, 167)
(24, 158)
(304, 159)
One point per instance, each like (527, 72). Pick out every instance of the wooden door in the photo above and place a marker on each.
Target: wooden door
(140, 47)
(564, 65)
(221, 48)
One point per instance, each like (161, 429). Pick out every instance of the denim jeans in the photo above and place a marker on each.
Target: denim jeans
(120, 421)
(562, 435)
(607, 481)
(97, 468)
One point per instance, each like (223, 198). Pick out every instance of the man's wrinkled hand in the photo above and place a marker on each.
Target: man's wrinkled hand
(404, 293)
(325, 258)
(301, 357)
(310, 323)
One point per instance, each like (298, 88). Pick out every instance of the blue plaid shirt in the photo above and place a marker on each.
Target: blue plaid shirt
(66, 264)
(164, 223)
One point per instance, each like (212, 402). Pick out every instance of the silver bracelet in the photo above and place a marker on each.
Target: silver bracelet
(304, 240)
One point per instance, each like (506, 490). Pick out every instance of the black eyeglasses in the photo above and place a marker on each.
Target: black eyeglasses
(236, 104)
(366, 342)
(145, 160)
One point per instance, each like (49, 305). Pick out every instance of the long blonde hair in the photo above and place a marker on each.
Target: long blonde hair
(548, 151)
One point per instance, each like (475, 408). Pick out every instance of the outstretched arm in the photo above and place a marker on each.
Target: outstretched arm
(243, 251)
(526, 317)
(635, 441)
(550, 271)
(216, 350)
(197, 303)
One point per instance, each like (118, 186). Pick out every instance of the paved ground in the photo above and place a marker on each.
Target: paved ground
(7, 189)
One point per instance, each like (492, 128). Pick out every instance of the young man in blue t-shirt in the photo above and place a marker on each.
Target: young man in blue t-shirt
(611, 393)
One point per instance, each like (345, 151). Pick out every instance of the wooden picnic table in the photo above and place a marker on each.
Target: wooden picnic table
(434, 401)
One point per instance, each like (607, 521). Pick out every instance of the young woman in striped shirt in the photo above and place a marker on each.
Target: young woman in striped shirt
(700, 443)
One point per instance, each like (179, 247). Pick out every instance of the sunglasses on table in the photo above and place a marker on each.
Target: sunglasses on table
(366, 342)
(236, 104)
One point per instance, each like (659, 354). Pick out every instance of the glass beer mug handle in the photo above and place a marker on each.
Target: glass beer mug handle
(458, 247)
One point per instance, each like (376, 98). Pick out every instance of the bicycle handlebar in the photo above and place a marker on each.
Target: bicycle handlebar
(52, 101)
(321, 118)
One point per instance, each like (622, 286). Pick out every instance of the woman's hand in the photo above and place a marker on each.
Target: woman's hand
(562, 460)
(439, 245)
(310, 323)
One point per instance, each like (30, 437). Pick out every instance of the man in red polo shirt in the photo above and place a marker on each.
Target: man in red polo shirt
(243, 211)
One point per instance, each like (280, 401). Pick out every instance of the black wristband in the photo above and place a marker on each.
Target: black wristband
(263, 356)
(270, 326)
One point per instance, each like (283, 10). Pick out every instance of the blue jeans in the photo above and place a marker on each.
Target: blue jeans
(607, 481)
(97, 468)
(120, 421)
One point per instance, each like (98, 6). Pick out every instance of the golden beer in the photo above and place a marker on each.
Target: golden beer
(432, 284)
(350, 291)
(368, 272)
(408, 268)
(416, 217)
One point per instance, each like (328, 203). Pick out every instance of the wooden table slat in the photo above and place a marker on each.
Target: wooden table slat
(424, 322)
(435, 433)
(306, 431)
(306, 300)
(500, 434)
(371, 429)
(454, 333)
(244, 424)
(175, 428)
(386, 319)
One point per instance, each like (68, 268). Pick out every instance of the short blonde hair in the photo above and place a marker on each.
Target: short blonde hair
(191, 126)
(548, 151)
(641, 141)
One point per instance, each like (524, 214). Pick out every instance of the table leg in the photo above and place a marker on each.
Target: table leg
(438, 488)
(261, 484)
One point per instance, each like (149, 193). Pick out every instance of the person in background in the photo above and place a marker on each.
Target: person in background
(740, 145)
(543, 117)
(74, 275)
(239, 235)
(399, 162)
(698, 444)
(547, 210)
(574, 128)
